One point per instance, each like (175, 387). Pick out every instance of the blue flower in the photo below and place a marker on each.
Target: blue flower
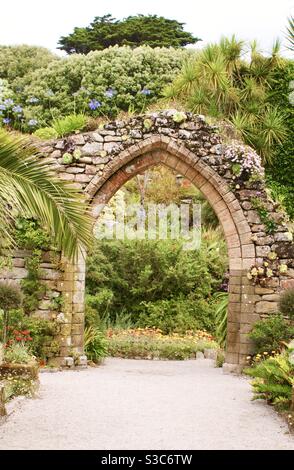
(49, 93)
(94, 104)
(9, 102)
(110, 93)
(2, 107)
(32, 122)
(145, 92)
(33, 100)
(6, 121)
(17, 109)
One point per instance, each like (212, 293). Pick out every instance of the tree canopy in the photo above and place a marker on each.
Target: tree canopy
(106, 31)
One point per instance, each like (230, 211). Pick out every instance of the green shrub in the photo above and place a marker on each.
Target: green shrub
(42, 333)
(69, 124)
(95, 344)
(177, 314)
(19, 61)
(127, 277)
(46, 133)
(10, 296)
(29, 235)
(18, 354)
(270, 333)
(273, 380)
(114, 77)
(286, 303)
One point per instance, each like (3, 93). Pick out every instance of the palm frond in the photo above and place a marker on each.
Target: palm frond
(29, 187)
(290, 33)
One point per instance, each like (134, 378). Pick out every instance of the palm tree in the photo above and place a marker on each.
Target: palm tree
(28, 187)
(218, 82)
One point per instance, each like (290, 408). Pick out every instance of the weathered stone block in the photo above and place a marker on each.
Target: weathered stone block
(262, 251)
(266, 307)
(91, 148)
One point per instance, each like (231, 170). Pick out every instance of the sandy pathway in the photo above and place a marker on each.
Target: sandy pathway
(129, 404)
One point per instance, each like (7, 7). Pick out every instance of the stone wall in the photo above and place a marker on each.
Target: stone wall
(100, 162)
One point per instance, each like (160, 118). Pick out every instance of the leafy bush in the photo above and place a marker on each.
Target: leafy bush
(18, 61)
(69, 124)
(153, 281)
(10, 296)
(30, 235)
(270, 333)
(286, 303)
(179, 315)
(42, 333)
(46, 133)
(18, 354)
(101, 83)
(95, 344)
(274, 380)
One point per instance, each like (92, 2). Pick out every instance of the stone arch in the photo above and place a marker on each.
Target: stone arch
(100, 162)
(157, 150)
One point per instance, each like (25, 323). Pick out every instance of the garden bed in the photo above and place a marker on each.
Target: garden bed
(149, 343)
(18, 379)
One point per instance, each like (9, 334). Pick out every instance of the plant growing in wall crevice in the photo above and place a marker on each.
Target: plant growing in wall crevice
(269, 223)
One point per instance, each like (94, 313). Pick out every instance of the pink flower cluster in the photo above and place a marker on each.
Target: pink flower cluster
(246, 157)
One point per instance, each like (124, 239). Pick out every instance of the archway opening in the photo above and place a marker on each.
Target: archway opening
(147, 281)
(224, 204)
(166, 275)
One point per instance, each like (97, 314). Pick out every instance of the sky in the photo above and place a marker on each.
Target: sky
(37, 22)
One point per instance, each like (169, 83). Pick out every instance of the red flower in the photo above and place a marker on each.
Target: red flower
(25, 332)
(18, 338)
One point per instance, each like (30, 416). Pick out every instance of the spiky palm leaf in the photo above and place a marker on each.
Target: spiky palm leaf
(272, 131)
(232, 50)
(29, 187)
(290, 33)
(199, 101)
(276, 58)
(221, 316)
(252, 90)
(243, 123)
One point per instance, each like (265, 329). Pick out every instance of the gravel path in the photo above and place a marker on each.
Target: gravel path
(132, 404)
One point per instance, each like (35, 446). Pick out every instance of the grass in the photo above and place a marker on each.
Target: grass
(149, 343)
